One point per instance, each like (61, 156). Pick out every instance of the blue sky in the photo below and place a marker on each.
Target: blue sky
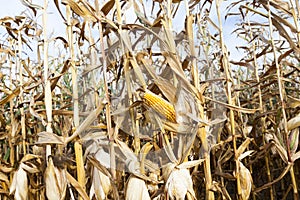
(10, 8)
(55, 23)
(15, 7)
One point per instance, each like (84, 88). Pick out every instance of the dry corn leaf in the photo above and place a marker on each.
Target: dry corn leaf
(56, 182)
(106, 172)
(233, 107)
(6, 169)
(169, 39)
(245, 154)
(293, 102)
(284, 33)
(49, 138)
(136, 67)
(136, 189)
(77, 186)
(31, 5)
(58, 8)
(166, 87)
(79, 9)
(285, 22)
(87, 122)
(167, 170)
(11, 96)
(30, 168)
(294, 140)
(19, 184)
(281, 150)
(144, 151)
(131, 160)
(296, 156)
(34, 113)
(190, 34)
(28, 157)
(168, 148)
(140, 15)
(3, 177)
(106, 8)
(281, 5)
(294, 122)
(243, 147)
(190, 164)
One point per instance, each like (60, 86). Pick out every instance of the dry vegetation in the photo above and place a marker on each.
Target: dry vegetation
(124, 106)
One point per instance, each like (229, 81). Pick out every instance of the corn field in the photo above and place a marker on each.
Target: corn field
(150, 100)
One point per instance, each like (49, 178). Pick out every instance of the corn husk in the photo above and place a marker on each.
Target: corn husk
(178, 182)
(246, 181)
(101, 185)
(136, 189)
(245, 176)
(56, 182)
(19, 184)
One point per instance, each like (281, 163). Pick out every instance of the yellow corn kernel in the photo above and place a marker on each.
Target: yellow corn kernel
(160, 105)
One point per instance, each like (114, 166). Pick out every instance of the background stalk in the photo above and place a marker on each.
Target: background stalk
(282, 98)
(76, 120)
(229, 83)
(48, 94)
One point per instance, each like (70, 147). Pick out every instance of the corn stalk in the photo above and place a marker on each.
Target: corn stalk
(77, 145)
(48, 94)
(229, 83)
(281, 90)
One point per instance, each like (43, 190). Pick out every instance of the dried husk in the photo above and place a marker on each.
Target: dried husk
(246, 181)
(19, 184)
(245, 177)
(178, 182)
(56, 182)
(136, 189)
(101, 185)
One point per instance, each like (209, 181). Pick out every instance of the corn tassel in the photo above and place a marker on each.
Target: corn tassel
(160, 105)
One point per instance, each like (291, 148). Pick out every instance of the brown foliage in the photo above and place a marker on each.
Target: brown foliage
(124, 103)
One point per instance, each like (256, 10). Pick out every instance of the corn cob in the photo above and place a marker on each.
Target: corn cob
(160, 105)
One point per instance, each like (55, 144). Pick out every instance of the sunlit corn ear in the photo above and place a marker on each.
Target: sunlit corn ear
(160, 105)
(56, 182)
(19, 184)
(178, 183)
(246, 181)
(101, 185)
(136, 189)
